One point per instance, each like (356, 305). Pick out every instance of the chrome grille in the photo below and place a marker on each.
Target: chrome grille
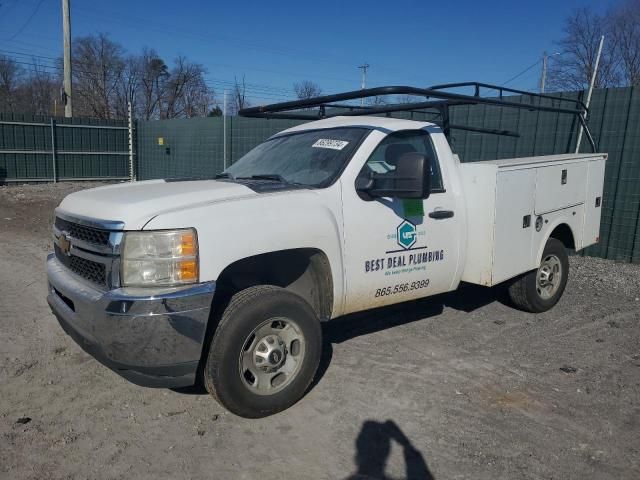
(87, 269)
(89, 248)
(82, 232)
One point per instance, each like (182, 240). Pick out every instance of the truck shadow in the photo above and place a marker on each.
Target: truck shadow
(373, 447)
(467, 299)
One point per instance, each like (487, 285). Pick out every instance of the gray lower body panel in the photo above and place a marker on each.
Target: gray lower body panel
(152, 338)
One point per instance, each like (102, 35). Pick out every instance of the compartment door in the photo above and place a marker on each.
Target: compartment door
(513, 238)
(560, 186)
(593, 203)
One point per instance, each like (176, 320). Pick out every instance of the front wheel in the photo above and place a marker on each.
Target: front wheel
(539, 290)
(264, 353)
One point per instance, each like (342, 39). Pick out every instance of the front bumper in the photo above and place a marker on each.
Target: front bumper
(151, 339)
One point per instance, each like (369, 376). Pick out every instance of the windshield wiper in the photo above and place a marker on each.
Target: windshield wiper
(265, 176)
(225, 175)
(274, 177)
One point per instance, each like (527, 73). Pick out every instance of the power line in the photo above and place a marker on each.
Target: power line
(522, 72)
(253, 92)
(49, 63)
(255, 87)
(143, 23)
(137, 22)
(24, 25)
(30, 45)
(226, 83)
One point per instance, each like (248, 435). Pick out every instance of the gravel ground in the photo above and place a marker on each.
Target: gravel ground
(456, 386)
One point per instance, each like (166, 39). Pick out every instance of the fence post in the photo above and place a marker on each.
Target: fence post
(130, 119)
(54, 160)
(224, 133)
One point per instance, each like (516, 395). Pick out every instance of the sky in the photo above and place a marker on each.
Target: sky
(274, 44)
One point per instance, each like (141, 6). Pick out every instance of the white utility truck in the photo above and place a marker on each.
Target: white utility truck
(226, 280)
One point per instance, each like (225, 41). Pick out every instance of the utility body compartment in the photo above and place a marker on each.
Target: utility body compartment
(513, 205)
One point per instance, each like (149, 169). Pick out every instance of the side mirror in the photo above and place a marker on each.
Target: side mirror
(410, 179)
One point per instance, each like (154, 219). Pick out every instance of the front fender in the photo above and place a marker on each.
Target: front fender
(237, 229)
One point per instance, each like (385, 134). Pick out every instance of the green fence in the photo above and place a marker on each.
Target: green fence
(195, 147)
(36, 148)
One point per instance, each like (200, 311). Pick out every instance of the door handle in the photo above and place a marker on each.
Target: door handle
(440, 214)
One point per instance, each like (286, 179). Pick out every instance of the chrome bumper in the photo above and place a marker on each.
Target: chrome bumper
(152, 340)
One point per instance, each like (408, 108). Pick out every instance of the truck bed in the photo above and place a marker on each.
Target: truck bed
(505, 197)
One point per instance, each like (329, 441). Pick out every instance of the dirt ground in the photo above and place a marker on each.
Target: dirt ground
(457, 386)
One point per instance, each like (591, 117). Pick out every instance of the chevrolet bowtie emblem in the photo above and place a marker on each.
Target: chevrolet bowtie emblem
(64, 243)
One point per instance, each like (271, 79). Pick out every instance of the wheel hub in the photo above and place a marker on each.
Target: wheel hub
(549, 276)
(270, 353)
(546, 275)
(272, 356)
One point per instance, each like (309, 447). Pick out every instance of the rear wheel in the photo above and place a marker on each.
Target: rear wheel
(265, 352)
(539, 290)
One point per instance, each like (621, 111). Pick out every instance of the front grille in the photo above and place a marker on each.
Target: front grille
(82, 232)
(92, 271)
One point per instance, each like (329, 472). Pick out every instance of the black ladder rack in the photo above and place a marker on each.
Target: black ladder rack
(437, 97)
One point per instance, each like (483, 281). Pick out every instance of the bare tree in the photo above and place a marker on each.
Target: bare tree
(38, 91)
(198, 98)
(128, 86)
(106, 81)
(239, 98)
(10, 77)
(408, 99)
(377, 101)
(153, 75)
(573, 69)
(307, 89)
(624, 32)
(187, 94)
(98, 66)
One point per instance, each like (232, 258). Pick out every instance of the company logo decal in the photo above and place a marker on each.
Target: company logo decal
(406, 234)
(414, 254)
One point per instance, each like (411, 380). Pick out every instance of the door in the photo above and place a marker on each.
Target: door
(398, 250)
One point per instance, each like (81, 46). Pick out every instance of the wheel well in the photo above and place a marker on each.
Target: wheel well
(303, 271)
(563, 233)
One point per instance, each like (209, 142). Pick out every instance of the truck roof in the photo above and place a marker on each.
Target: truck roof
(382, 123)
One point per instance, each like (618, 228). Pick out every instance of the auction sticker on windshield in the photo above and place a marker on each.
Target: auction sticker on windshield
(329, 143)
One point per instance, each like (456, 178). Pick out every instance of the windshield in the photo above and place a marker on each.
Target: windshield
(311, 158)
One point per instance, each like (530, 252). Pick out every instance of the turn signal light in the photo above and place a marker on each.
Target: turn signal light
(188, 271)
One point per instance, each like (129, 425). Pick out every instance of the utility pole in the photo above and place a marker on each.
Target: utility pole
(364, 80)
(543, 77)
(66, 34)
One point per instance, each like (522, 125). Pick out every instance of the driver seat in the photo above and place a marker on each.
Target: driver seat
(394, 151)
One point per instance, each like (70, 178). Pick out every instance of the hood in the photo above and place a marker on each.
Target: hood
(137, 203)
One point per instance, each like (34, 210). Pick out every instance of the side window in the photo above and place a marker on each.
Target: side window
(384, 157)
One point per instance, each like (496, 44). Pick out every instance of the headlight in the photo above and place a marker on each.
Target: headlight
(159, 258)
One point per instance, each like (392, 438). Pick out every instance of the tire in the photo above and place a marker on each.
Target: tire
(530, 292)
(263, 328)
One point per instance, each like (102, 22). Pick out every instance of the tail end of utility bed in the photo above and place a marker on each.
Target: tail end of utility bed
(515, 205)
